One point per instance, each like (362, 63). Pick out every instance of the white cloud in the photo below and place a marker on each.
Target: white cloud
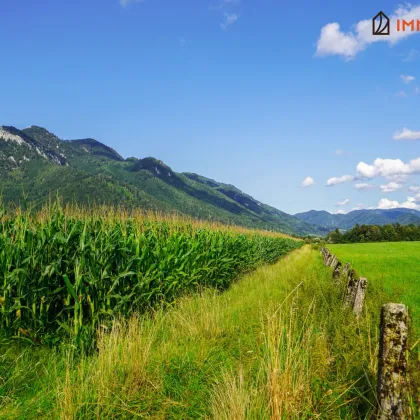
(415, 189)
(125, 3)
(388, 168)
(333, 41)
(364, 186)
(342, 203)
(407, 79)
(339, 180)
(386, 204)
(340, 152)
(365, 170)
(390, 187)
(406, 134)
(340, 212)
(230, 19)
(401, 94)
(307, 182)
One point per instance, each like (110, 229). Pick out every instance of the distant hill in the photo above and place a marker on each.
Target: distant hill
(39, 163)
(361, 217)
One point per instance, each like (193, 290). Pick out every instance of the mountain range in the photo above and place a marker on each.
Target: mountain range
(37, 163)
(362, 217)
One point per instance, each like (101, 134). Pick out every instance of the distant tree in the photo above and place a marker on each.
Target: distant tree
(334, 237)
(374, 233)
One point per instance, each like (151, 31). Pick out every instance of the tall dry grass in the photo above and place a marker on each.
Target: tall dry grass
(112, 381)
(276, 345)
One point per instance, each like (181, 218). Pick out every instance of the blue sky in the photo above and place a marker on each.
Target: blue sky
(259, 94)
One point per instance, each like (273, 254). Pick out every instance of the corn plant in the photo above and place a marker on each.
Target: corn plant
(65, 273)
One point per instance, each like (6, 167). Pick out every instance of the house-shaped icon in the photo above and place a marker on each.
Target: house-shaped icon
(381, 24)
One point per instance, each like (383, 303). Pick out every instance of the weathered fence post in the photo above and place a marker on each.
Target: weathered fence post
(393, 364)
(332, 260)
(327, 258)
(337, 270)
(346, 269)
(324, 252)
(355, 293)
(351, 291)
(356, 287)
(360, 296)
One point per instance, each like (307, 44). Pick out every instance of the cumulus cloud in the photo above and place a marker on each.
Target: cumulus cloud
(339, 180)
(390, 187)
(230, 19)
(340, 212)
(342, 203)
(386, 204)
(334, 41)
(363, 186)
(406, 134)
(388, 168)
(125, 3)
(407, 79)
(308, 181)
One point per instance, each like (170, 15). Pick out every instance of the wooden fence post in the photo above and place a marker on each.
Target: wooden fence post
(393, 364)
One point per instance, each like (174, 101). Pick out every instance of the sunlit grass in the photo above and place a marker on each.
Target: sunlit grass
(276, 345)
(394, 267)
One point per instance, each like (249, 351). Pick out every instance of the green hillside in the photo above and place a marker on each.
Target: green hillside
(360, 217)
(38, 163)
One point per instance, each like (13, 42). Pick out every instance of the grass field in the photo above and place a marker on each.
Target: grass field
(393, 267)
(276, 345)
(183, 319)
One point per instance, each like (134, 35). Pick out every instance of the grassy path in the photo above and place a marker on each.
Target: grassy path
(276, 345)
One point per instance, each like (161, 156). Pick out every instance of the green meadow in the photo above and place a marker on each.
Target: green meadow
(393, 267)
(108, 314)
(276, 345)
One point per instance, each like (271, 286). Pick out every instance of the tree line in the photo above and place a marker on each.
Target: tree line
(375, 233)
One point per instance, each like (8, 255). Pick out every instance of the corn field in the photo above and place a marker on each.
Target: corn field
(65, 273)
